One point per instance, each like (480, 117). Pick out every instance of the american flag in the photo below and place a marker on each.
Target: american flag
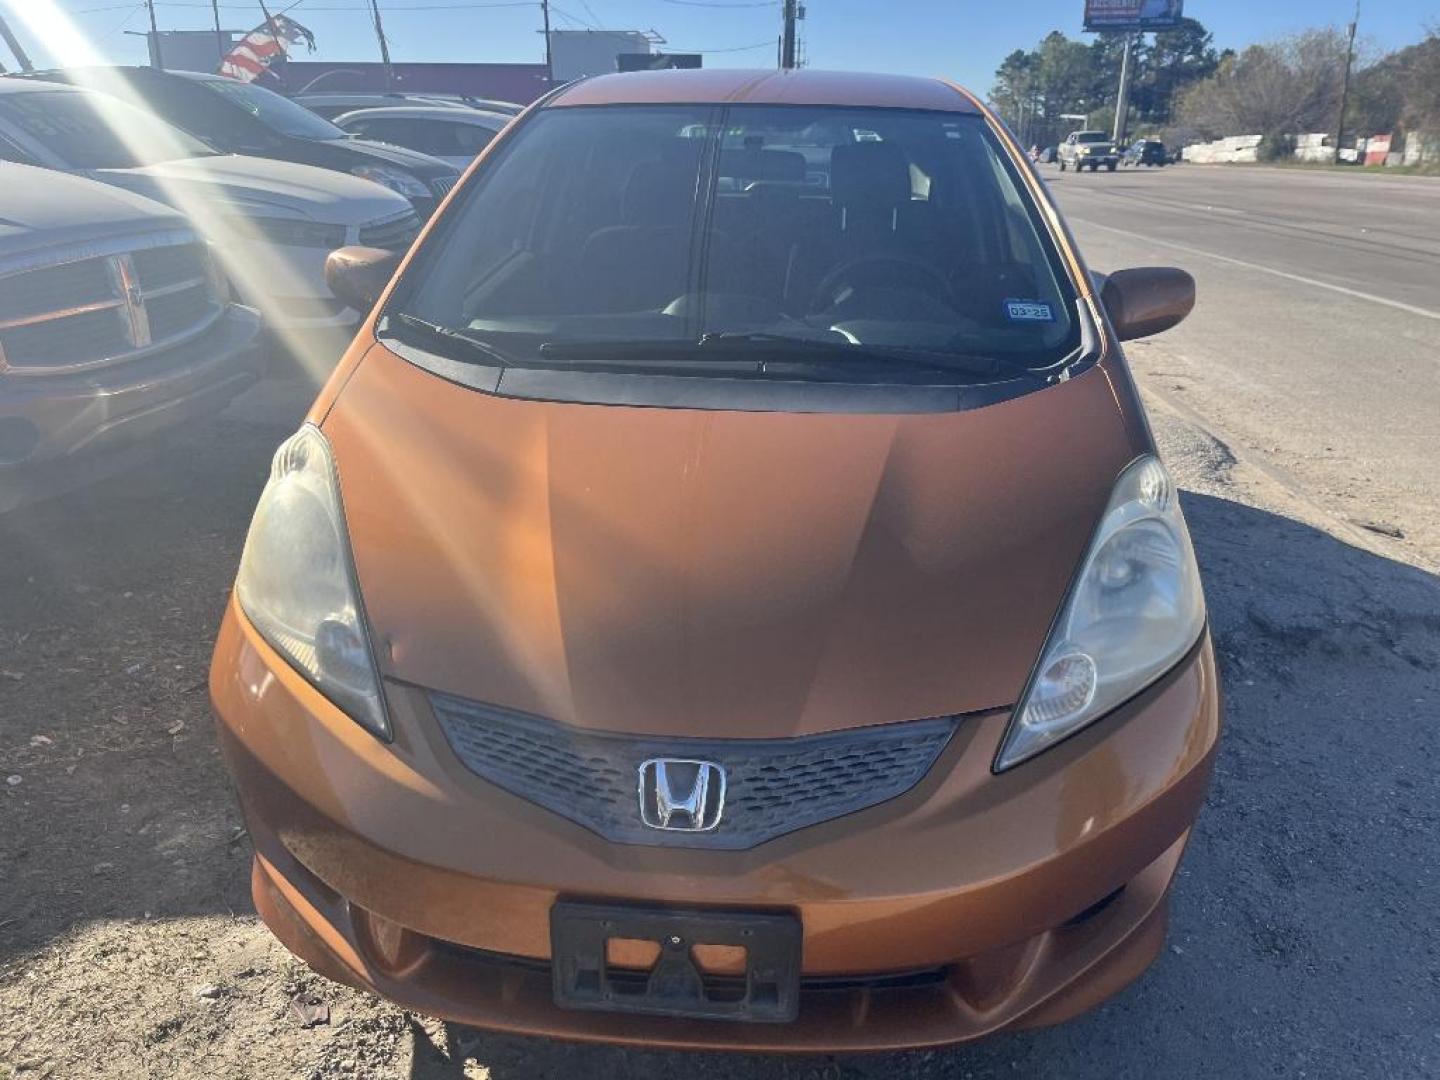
(257, 50)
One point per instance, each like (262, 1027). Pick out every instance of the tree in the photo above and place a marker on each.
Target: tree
(1061, 75)
(1285, 87)
(1173, 60)
(1421, 109)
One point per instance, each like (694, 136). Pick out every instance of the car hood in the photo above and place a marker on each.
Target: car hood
(422, 165)
(260, 183)
(739, 574)
(44, 211)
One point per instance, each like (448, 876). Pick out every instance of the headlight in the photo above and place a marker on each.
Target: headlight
(1133, 612)
(297, 586)
(395, 179)
(214, 276)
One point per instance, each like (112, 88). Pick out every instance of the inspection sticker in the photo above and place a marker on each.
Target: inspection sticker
(1028, 311)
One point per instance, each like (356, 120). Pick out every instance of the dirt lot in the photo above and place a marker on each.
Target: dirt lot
(1305, 940)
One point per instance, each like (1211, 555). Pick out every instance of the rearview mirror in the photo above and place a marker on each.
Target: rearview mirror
(358, 275)
(1147, 299)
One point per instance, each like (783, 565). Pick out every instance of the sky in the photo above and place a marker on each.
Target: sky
(963, 39)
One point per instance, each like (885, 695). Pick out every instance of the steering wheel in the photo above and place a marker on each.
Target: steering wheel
(933, 281)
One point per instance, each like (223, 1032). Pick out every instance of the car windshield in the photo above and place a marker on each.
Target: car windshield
(809, 231)
(275, 112)
(1092, 136)
(94, 131)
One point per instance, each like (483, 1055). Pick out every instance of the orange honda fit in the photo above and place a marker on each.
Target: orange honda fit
(727, 595)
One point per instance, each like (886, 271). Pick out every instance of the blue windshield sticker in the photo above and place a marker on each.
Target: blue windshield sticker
(1028, 311)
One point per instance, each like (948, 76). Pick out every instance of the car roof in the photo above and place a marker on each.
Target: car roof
(474, 117)
(10, 85)
(803, 86)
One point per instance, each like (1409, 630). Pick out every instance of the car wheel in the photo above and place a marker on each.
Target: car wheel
(1061, 164)
(1110, 166)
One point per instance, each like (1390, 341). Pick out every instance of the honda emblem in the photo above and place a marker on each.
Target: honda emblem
(680, 795)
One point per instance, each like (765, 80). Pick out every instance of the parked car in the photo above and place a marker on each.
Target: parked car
(765, 603)
(333, 103)
(454, 136)
(242, 118)
(1145, 152)
(114, 329)
(1087, 149)
(272, 223)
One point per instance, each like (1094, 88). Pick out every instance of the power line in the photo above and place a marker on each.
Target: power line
(575, 19)
(725, 3)
(766, 44)
(360, 5)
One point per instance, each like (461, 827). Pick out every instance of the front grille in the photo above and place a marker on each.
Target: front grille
(70, 284)
(175, 313)
(103, 308)
(877, 982)
(158, 267)
(773, 786)
(394, 234)
(60, 342)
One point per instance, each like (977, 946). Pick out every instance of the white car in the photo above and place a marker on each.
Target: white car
(270, 224)
(333, 103)
(454, 136)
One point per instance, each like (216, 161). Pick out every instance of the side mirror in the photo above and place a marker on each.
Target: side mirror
(1147, 299)
(358, 275)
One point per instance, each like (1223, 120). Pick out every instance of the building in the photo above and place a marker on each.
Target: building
(191, 50)
(577, 53)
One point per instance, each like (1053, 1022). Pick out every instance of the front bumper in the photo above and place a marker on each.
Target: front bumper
(972, 903)
(58, 432)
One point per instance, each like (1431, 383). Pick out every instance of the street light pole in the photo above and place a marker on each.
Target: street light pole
(1122, 99)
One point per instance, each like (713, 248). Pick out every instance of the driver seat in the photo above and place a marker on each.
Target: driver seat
(872, 216)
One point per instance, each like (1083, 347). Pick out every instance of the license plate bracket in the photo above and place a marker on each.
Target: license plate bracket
(767, 992)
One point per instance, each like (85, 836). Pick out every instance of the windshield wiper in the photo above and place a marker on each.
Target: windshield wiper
(758, 347)
(447, 340)
(854, 352)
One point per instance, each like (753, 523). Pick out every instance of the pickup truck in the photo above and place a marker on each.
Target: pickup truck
(1087, 149)
(115, 327)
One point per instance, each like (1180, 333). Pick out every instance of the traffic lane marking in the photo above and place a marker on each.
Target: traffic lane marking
(1399, 305)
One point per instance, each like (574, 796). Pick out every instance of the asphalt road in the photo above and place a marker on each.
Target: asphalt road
(1315, 344)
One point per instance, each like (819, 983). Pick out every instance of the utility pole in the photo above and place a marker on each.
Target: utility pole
(549, 58)
(15, 47)
(219, 35)
(787, 37)
(1122, 99)
(156, 60)
(1345, 84)
(384, 46)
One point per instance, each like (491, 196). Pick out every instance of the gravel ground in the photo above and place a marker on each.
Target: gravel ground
(1304, 941)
